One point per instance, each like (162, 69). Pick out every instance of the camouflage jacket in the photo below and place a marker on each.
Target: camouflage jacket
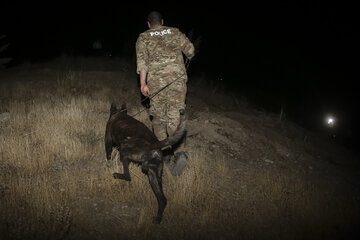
(161, 46)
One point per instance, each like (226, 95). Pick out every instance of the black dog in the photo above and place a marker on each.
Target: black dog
(137, 144)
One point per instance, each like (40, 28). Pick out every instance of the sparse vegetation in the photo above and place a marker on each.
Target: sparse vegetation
(248, 176)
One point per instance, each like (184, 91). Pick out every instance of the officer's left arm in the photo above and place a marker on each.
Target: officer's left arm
(186, 46)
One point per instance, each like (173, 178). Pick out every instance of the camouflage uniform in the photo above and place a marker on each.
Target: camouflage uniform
(159, 52)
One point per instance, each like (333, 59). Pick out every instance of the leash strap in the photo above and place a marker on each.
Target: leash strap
(187, 63)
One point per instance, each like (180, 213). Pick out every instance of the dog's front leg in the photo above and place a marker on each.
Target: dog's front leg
(145, 167)
(108, 147)
(126, 174)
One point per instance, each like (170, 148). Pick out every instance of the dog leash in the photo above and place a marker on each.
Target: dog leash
(187, 63)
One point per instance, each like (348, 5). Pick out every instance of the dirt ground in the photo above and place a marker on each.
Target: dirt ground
(250, 174)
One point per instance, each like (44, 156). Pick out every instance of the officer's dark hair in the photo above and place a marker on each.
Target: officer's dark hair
(154, 17)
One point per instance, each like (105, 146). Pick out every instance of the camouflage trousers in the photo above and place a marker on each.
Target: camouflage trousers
(165, 106)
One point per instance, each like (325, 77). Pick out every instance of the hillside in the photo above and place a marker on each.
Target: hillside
(250, 175)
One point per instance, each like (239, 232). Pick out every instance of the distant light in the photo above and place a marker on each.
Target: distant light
(330, 121)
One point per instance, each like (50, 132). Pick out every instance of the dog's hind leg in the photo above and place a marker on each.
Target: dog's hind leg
(158, 163)
(159, 175)
(126, 174)
(156, 186)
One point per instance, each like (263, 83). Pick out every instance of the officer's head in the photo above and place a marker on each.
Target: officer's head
(154, 18)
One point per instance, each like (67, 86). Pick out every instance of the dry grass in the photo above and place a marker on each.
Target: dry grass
(54, 183)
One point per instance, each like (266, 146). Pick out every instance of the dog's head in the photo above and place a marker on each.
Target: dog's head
(114, 109)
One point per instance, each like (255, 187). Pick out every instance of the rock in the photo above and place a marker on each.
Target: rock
(268, 161)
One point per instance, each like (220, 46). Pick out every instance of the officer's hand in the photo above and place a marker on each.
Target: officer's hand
(145, 90)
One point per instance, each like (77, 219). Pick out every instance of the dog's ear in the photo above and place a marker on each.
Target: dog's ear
(123, 108)
(113, 108)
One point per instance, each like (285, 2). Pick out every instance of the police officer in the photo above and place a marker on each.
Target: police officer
(159, 52)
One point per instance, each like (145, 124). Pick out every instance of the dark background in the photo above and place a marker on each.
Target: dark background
(299, 55)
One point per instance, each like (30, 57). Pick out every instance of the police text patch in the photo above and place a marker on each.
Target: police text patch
(160, 33)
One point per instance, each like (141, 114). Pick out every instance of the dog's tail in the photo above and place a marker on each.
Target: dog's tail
(177, 135)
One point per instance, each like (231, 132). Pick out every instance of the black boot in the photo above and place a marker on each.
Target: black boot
(180, 163)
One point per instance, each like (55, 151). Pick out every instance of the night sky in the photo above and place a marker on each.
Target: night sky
(299, 54)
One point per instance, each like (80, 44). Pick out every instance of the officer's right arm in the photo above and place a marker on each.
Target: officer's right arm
(143, 86)
(141, 55)
(141, 60)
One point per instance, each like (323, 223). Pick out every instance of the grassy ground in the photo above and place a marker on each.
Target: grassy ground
(54, 183)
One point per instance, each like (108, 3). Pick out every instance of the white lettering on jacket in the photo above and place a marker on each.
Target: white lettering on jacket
(160, 33)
